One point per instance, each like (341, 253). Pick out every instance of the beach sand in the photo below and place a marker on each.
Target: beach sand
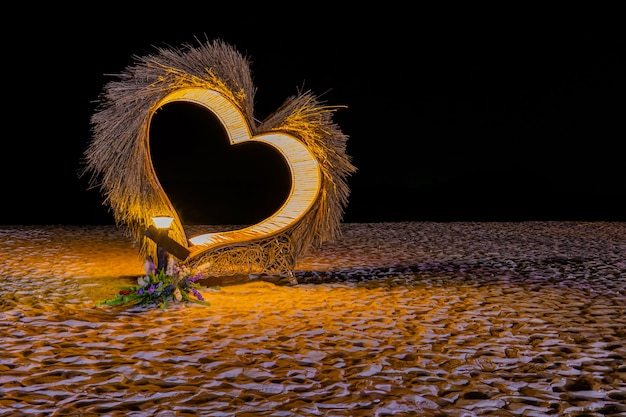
(392, 319)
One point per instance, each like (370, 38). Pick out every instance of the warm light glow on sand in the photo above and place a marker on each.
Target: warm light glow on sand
(412, 318)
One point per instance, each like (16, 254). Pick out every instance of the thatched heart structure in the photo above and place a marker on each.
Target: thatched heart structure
(216, 76)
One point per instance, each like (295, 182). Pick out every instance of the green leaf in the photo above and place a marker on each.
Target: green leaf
(196, 301)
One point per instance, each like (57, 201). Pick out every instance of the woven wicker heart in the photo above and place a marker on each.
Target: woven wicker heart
(209, 180)
(304, 168)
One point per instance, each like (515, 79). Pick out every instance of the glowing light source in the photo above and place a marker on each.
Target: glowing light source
(162, 222)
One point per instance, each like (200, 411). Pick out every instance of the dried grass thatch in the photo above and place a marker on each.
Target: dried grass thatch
(119, 163)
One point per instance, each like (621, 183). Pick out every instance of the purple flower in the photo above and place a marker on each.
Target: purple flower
(151, 289)
(196, 277)
(148, 266)
(140, 291)
(168, 290)
(197, 294)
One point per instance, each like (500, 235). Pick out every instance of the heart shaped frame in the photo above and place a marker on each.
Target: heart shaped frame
(216, 76)
(304, 168)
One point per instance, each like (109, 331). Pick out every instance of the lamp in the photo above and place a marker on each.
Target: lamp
(163, 223)
(158, 233)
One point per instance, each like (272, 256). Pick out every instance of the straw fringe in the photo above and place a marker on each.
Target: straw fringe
(118, 160)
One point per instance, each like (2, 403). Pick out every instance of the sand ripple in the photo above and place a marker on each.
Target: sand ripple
(402, 319)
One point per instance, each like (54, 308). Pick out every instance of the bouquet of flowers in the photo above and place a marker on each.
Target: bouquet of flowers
(161, 288)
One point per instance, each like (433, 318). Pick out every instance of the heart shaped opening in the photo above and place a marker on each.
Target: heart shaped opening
(208, 180)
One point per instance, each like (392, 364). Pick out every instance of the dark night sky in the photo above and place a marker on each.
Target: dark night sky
(499, 116)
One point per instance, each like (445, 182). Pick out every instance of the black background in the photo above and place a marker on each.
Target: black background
(452, 115)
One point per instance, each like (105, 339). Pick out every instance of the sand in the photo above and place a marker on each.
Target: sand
(392, 319)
